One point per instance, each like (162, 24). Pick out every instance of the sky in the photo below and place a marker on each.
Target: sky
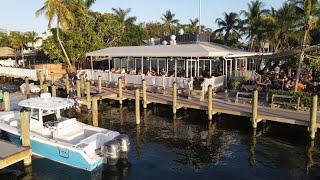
(19, 15)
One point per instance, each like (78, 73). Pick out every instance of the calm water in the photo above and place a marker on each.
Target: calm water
(189, 147)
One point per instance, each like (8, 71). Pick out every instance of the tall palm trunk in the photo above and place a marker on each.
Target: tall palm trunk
(62, 47)
(301, 58)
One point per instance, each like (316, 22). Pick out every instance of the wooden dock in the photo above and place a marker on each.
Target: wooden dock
(11, 153)
(213, 105)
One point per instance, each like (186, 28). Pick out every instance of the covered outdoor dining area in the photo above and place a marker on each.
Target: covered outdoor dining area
(193, 66)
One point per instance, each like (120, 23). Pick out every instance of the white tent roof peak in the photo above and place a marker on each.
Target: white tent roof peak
(182, 50)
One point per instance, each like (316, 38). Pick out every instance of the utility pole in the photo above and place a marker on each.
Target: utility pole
(199, 17)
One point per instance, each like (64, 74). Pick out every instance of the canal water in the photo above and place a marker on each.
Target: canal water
(189, 147)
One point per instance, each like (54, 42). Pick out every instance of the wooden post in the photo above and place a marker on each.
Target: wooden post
(210, 103)
(94, 107)
(45, 87)
(144, 92)
(27, 91)
(25, 133)
(137, 99)
(41, 79)
(82, 85)
(174, 100)
(52, 77)
(120, 90)
(67, 85)
(54, 90)
(99, 84)
(254, 118)
(78, 82)
(88, 90)
(6, 100)
(313, 117)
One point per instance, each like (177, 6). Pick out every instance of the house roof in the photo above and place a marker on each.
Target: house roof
(200, 49)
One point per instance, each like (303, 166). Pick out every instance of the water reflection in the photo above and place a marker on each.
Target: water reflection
(190, 147)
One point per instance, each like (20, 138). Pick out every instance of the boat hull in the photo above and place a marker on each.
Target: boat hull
(62, 155)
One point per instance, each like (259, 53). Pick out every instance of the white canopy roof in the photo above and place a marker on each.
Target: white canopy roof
(51, 103)
(182, 50)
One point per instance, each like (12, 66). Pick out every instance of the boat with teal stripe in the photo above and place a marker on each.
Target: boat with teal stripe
(65, 140)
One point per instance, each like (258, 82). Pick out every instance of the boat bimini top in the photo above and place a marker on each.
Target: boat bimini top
(46, 102)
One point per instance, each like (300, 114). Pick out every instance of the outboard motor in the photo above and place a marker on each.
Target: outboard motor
(124, 145)
(110, 150)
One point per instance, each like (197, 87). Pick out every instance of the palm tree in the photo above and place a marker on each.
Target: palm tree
(193, 26)
(168, 20)
(308, 10)
(57, 9)
(231, 25)
(122, 17)
(253, 21)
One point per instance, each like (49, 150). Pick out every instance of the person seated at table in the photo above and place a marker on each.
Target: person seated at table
(267, 81)
(289, 84)
(300, 86)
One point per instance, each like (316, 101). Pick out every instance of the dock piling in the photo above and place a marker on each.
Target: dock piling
(27, 91)
(67, 85)
(78, 83)
(52, 77)
(82, 85)
(88, 90)
(137, 105)
(41, 79)
(174, 100)
(313, 117)
(254, 118)
(99, 85)
(210, 103)
(25, 133)
(95, 120)
(144, 92)
(54, 90)
(6, 100)
(120, 90)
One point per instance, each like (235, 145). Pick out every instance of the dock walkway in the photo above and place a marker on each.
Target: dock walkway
(219, 106)
(11, 153)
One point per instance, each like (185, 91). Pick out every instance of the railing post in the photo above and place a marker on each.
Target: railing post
(88, 91)
(99, 84)
(120, 90)
(254, 118)
(210, 103)
(54, 90)
(144, 92)
(27, 91)
(25, 133)
(78, 83)
(313, 117)
(6, 100)
(174, 100)
(137, 105)
(95, 120)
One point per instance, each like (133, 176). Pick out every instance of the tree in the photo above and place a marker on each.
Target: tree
(134, 35)
(169, 21)
(308, 10)
(122, 17)
(193, 26)
(64, 18)
(155, 30)
(230, 26)
(253, 22)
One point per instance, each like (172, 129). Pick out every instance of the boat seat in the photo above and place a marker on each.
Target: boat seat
(68, 130)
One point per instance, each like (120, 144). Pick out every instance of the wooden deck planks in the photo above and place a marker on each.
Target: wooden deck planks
(11, 153)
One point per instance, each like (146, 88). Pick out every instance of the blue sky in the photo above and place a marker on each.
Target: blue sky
(20, 14)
